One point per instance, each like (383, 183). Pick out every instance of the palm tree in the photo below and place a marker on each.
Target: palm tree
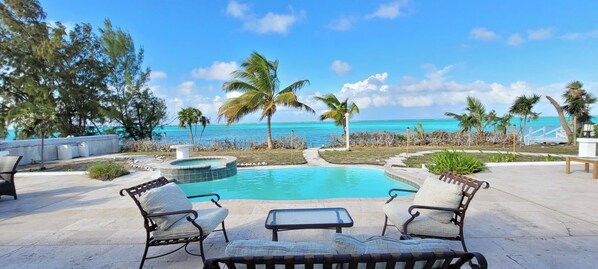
(338, 110)
(258, 82)
(204, 121)
(577, 103)
(187, 117)
(503, 123)
(522, 107)
(475, 118)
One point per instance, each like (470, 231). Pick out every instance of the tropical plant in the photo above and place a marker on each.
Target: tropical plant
(338, 110)
(522, 107)
(204, 121)
(131, 104)
(106, 171)
(474, 118)
(577, 103)
(258, 83)
(456, 162)
(188, 117)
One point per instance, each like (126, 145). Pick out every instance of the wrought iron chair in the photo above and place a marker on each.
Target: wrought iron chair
(195, 227)
(405, 218)
(8, 169)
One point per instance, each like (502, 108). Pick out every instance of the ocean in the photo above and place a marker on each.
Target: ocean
(318, 133)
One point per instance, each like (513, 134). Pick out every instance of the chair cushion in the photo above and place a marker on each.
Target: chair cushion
(438, 193)
(163, 199)
(397, 214)
(207, 219)
(366, 244)
(265, 248)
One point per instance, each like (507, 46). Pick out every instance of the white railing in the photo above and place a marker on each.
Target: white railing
(557, 135)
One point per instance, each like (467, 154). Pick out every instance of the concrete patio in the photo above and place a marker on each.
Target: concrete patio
(531, 217)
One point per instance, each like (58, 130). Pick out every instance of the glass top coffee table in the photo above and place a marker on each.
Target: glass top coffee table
(307, 218)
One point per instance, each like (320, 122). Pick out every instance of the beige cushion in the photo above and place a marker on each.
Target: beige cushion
(167, 198)
(365, 244)
(397, 214)
(264, 248)
(207, 219)
(438, 193)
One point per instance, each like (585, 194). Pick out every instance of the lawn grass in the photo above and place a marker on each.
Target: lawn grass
(417, 161)
(378, 155)
(270, 157)
(74, 165)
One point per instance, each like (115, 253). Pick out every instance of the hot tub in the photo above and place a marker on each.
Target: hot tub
(200, 169)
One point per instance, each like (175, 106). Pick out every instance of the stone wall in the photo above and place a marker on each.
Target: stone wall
(61, 148)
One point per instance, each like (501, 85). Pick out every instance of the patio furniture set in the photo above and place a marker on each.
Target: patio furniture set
(438, 212)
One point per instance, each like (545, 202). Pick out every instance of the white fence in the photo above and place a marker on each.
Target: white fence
(61, 148)
(541, 136)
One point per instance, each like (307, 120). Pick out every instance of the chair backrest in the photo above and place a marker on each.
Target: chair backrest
(469, 186)
(136, 191)
(9, 164)
(450, 259)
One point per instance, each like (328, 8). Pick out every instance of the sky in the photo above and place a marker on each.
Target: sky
(395, 59)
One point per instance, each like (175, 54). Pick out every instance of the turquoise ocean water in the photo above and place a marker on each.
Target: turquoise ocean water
(317, 133)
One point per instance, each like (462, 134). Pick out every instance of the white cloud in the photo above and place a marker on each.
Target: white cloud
(233, 94)
(540, 34)
(217, 71)
(515, 40)
(341, 24)
(186, 88)
(482, 33)
(386, 11)
(340, 68)
(155, 75)
(236, 9)
(434, 90)
(581, 35)
(269, 23)
(372, 83)
(272, 23)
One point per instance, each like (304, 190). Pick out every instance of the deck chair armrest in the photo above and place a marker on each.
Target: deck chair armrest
(393, 195)
(413, 207)
(214, 200)
(192, 212)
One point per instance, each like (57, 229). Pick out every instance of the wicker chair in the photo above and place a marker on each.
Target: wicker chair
(405, 218)
(449, 260)
(195, 227)
(8, 169)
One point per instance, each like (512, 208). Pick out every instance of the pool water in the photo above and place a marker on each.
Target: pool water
(303, 183)
(212, 162)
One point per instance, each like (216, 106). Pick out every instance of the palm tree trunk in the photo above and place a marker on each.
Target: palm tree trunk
(564, 124)
(269, 132)
(191, 134)
(203, 129)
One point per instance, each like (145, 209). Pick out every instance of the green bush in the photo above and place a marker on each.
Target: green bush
(503, 158)
(549, 158)
(106, 171)
(456, 162)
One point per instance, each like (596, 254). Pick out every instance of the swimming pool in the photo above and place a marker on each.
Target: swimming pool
(302, 183)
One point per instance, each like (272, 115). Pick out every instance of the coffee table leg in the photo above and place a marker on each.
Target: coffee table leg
(274, 235)
(339, 230)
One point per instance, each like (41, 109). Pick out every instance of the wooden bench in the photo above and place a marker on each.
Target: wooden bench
(587, 161)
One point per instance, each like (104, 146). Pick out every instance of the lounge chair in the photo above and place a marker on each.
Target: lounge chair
(8, 169)
(439, 208)
(168, 216)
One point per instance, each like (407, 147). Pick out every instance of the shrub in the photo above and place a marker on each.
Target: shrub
(106, 171)
(549, 158)
(456, 162)
(503, 158)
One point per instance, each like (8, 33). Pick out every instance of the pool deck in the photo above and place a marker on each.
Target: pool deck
(531, 217)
